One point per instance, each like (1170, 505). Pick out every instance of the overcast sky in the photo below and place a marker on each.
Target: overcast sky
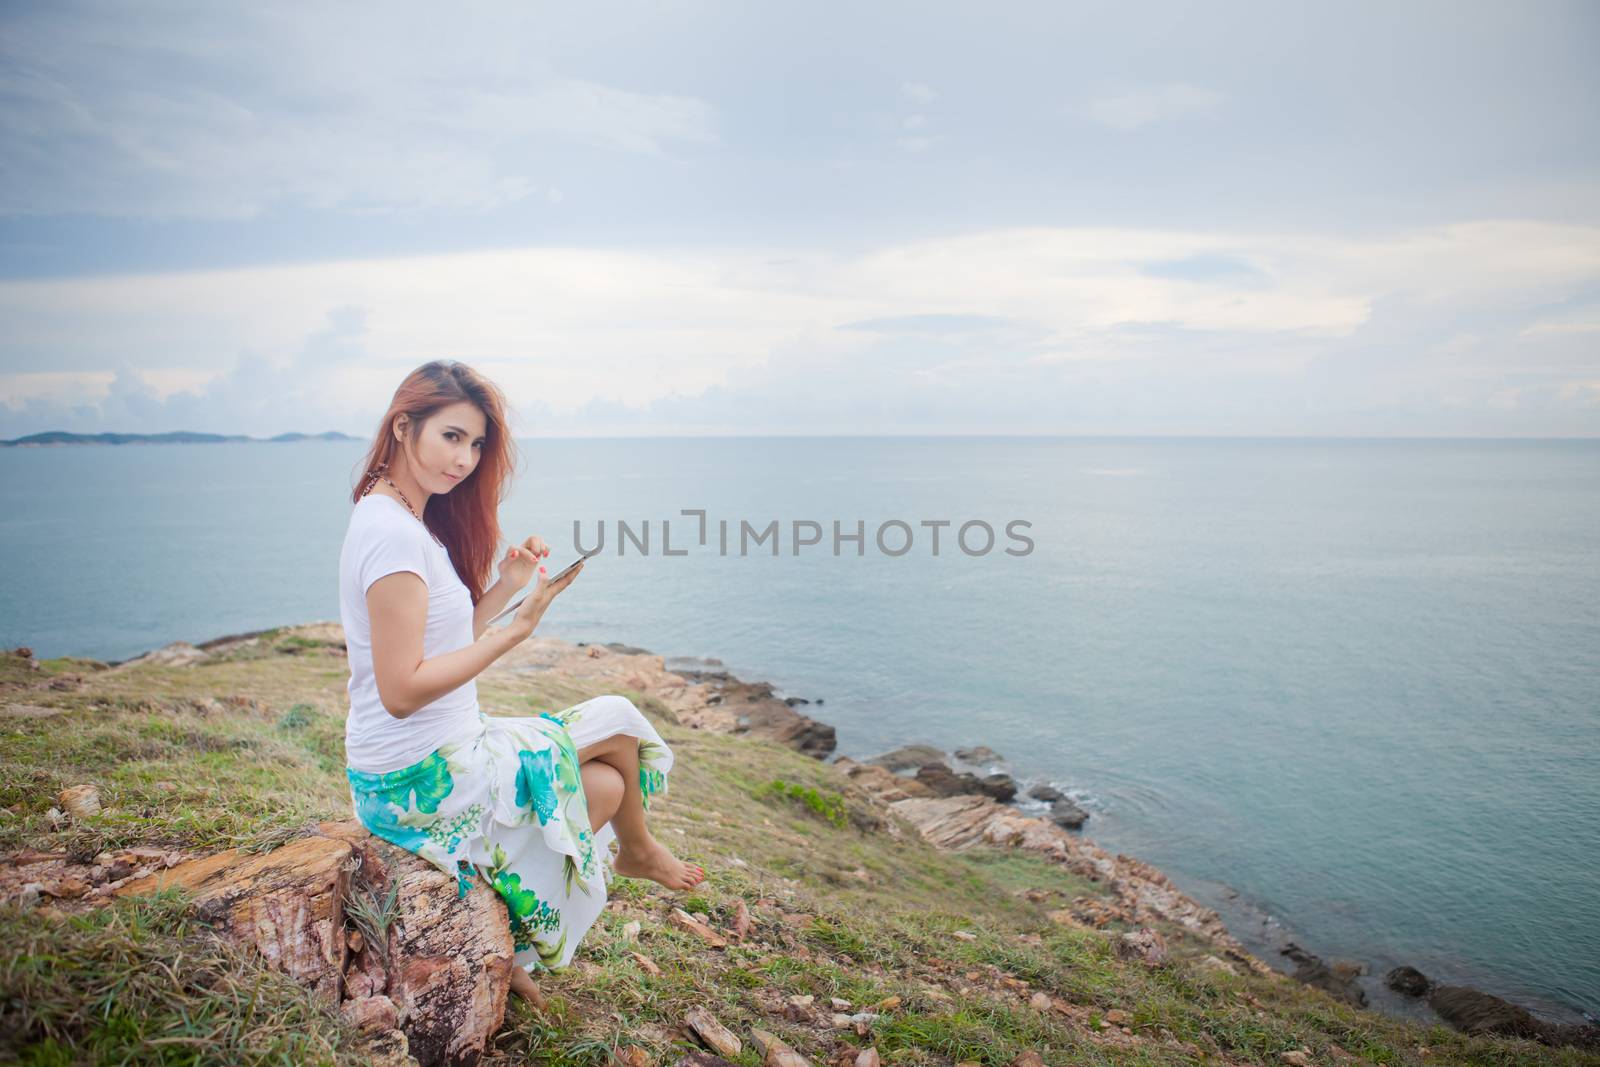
(1335, 218)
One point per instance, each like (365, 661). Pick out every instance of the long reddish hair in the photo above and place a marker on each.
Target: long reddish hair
(466, 520)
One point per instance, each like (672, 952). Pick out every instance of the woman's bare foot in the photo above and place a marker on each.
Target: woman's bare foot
(523, 985)
(654, 862)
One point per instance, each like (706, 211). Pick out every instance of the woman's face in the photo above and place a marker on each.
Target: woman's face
(447, 447)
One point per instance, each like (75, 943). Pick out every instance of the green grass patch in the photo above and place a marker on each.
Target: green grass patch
(138, 982)
(829, 806)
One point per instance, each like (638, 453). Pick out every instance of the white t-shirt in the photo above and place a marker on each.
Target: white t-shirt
(384, 537)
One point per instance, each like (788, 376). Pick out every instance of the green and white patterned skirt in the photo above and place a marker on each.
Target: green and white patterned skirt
(507, 804)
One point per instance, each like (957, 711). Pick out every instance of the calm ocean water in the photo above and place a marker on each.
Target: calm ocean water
(1355, 682)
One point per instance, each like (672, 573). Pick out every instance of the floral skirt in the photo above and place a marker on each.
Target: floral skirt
(507, 804)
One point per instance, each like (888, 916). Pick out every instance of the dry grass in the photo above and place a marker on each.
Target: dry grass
(136, 982)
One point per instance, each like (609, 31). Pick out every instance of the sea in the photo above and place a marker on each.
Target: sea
(1345, 691)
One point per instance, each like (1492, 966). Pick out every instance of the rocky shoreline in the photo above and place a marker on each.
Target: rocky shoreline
(970, 803)
(961, 798)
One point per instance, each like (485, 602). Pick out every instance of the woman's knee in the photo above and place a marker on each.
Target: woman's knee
(616, 702)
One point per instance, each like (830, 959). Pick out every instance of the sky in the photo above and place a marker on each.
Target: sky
(1347, 219)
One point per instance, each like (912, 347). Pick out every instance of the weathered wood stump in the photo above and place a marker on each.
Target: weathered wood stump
(441, 980)
(287, 903)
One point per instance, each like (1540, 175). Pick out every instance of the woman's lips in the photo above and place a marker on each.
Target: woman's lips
(452, 477)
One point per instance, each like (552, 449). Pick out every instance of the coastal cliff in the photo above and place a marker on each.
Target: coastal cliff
(852, 915)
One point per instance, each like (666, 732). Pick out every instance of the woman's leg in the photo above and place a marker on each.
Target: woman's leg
(639, 854)
(523, 985)
(602, 790)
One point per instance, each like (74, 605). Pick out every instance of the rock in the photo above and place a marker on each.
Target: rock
(1213, 964)
(908, 757)
(888, 1003)
(698, 928)
(1040, 1002)
(881, 782)
(1046, 793)
(287, 904)
(66, 887)
(774, 1053)
(867, 1057)
(1064, 812)
(645, 963)
(741, 921)
(81, 801)
(943, 782)
(1337, 978)
(632, 1056)
(1295, 1058)
(799, 732)
(717, 1038)
(998, 785)
(1475, 1012)
(630, 930)
(177, 654)
(978, 754)
(1408, 980)
(1030, 1058)
(1118, 1017)
(1144, 945)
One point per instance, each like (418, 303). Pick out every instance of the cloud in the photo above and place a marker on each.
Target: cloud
(1139, 107)
(930, 324)
(226, 114)
(918, 144)
(919, 92)
(1035, 329)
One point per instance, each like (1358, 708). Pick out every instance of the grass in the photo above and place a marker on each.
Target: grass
(248, 749)
(372, 913)
(829, 806)
(139, 982)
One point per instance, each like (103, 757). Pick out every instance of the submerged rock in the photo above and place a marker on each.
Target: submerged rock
(1473, 1011)
(1337, 978)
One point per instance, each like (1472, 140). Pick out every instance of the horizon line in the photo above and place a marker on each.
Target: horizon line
(252, 439)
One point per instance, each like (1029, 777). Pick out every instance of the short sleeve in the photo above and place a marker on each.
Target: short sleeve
(389, 548)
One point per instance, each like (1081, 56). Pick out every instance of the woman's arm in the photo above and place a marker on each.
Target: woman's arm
(492, 603)
(397, 604)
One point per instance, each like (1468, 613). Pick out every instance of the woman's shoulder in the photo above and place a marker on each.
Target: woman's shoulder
(375, 516)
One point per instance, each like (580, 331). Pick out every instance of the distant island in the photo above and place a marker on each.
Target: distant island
(176, 437)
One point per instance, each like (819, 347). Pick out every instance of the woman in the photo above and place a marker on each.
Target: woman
(530, 804)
